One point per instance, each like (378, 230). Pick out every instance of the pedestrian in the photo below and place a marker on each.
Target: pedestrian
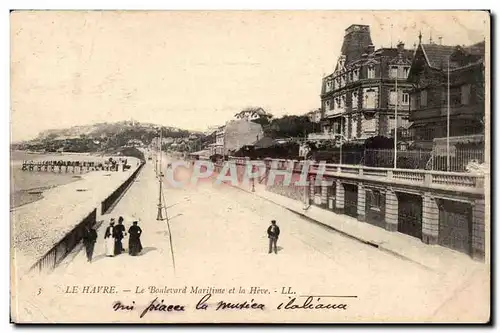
(120, 234)
(89, 239)
(134, 240)
(273, 232)
(109, 237)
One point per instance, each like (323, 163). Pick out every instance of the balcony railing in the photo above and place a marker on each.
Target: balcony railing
(334, 112)
(440, 180)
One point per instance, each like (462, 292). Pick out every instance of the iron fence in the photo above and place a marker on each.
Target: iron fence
(112, 199)
(460, 159)
(57, 254)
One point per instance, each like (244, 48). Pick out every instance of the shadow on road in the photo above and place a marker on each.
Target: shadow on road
(146, 250)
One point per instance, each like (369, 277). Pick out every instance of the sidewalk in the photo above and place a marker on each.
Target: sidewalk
(433, 257)
(38, 226)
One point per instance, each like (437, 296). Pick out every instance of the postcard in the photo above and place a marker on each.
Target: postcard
(250, 166)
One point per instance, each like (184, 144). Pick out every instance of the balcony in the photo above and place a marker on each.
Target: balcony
(334, 112)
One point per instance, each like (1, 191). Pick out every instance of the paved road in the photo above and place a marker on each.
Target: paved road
(219, 241)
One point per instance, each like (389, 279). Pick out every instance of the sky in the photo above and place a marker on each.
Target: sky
(192, 69)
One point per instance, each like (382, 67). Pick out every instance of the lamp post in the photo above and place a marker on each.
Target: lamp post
(396, 122)
(159, 217)
(448, 123)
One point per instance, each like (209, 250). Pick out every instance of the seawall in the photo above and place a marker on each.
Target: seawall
(45, 231)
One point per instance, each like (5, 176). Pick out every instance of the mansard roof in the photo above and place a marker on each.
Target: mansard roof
(437, 55)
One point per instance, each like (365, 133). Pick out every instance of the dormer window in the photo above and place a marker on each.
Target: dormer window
(355, 75)
(329, 85)
(406, 71)
(394, 72)
(371, 72)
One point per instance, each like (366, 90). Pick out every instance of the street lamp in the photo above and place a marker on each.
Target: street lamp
(159, 217)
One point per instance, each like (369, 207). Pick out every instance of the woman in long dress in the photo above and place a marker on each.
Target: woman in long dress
(134, 240)
(109, 239)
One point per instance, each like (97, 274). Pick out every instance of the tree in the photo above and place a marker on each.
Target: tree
(290, 126)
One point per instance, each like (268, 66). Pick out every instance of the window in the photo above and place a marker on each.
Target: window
(394, 72)
(350, 76)
(355, 75)
(371, 72)
(376, 199)
(342, 101)
(328, 85)
(355, 100)
(336, 127)
(405, 99)
(406, 71)
(327, 105)
(465, 94)
(370, 100)
(392, 97)
(368, 125)
(423, 98)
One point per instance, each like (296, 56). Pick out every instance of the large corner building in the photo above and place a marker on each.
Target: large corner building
(358, 99)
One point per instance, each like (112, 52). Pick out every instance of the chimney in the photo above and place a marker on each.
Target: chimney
(440, 40)
(401, 47)
(356, 39)
(370, 49)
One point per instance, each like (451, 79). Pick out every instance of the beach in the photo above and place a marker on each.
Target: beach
(27, 187)
(37, 226)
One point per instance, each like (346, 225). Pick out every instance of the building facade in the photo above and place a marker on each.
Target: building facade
(218, 146)
(358, 100)
(239, 133)
(431, 93)
(314, 116)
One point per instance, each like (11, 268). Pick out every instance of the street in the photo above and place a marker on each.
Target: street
(219, 241)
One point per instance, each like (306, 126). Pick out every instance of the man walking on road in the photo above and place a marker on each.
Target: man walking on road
(89, 239)
(273, 233)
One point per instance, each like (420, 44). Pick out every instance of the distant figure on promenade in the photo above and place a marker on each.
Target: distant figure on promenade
(119, 235)
(273, 232)
(109, 239)
(134, 240)
(89, 239)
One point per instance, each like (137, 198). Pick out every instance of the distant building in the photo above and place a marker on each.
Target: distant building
(358, 99)
(252, 114)
(314, 115)
(218, 146)
(234, 135)
(429, 97)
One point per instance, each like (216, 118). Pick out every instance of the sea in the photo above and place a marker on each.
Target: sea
(28, 186)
